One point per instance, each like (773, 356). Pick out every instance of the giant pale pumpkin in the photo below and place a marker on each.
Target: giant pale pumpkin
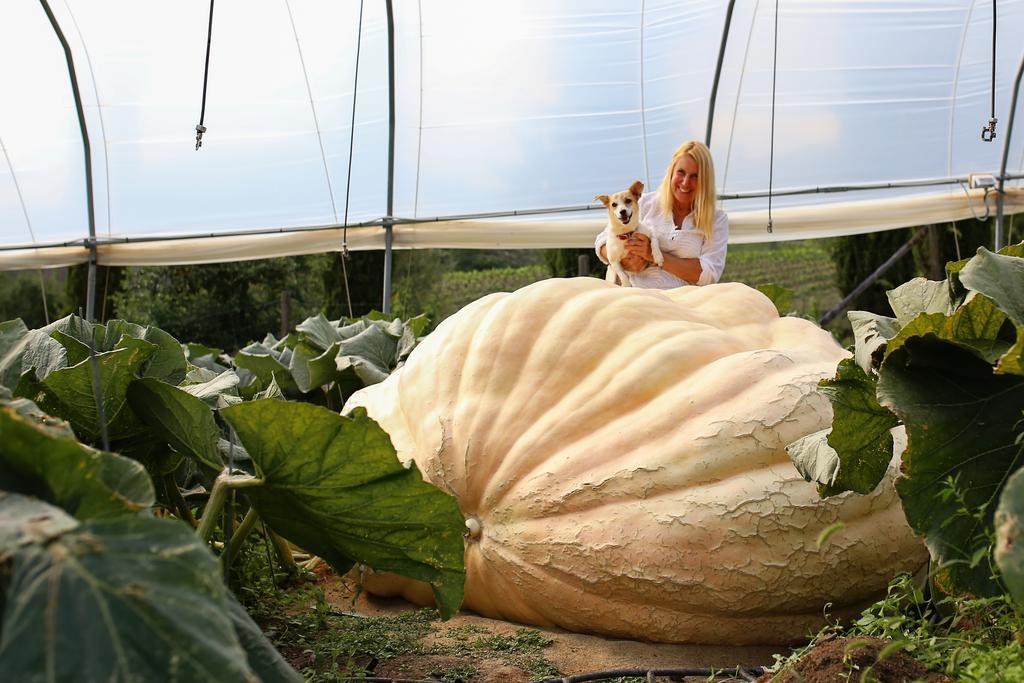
(619, 454)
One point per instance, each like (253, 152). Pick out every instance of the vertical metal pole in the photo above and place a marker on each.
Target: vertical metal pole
(388, 219)
(1006, 154)
(718, 72)
(90, 291)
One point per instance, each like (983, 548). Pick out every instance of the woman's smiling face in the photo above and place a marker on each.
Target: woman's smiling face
(685, 182)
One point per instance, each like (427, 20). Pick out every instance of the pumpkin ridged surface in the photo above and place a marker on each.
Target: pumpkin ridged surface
(624, 452)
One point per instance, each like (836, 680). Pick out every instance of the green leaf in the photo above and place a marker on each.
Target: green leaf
(217, 391)
(781, 296)
(313, 368)
(917, 296)
(272, 391)
(860, 430)
(961, 425)
(128, 599)
(266, 364)
(168, 363)
(76, 350)
(418, 324)
(193, 350)
(318, 331)
(1009, 546)
(871, 333)
(22, 350)
(372, 354)
(815, 460)
(68, 392)
(179, 418)
(976, 326)
(265, 661)
(335, 487)
(48, 460)
(26, 520)
(1000, 278)
(1011, 362)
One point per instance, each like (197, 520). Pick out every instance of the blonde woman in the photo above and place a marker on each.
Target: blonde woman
(693, 234)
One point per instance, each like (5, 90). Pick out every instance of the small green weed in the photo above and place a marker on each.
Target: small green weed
(969, 639)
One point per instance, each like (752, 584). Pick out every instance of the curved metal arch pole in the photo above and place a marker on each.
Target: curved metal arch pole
(956, 86)
(1006, 154)
(90, 289)
(389, 219)
(739, 95)
(718, 72)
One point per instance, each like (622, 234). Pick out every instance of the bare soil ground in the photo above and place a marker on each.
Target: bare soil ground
(841, 659)
(568, 653)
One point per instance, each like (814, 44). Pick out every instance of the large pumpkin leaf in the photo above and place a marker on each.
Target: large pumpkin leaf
(312, 368)
(1009, 523)
(168, 361)
(128, 599)
(179, 418)
(334, 486)
(217, 390)
(976, 325)
(1012, 362)
(917, 296)
(266, 662)
(23, 350)
(69, 393)
(267, 363)
(954, 268)
(961, 422)
(373, 353)
(1000, 278)
(860, 432)
(815, 460)
(319, 332)
(46, 460)
(80, 337)
(871, 333)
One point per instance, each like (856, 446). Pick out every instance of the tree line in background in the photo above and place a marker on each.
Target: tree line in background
(231, 304)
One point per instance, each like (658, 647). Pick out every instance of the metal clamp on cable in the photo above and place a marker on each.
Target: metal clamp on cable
(200, 129)
(988, 133)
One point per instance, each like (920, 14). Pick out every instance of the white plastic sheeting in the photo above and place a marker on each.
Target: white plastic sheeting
(500, 108)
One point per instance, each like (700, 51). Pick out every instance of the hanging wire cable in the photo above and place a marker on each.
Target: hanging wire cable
(200, 129)
(988, 133)
(771, 138)
(351, 147)
(28, 224)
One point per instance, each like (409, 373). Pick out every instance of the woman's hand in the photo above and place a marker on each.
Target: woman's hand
(633, 263)
(638, 253)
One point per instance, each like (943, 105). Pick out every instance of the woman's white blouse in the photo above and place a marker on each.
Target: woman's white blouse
(684, 242)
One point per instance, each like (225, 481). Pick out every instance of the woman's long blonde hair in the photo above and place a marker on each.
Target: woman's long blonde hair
(704, 202)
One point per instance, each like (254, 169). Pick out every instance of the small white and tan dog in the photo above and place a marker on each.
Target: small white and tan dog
(623, 221)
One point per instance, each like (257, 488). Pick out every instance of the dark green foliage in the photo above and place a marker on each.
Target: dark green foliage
(21, 296)
(857, 256)
(364, 271)
(226, 304)
(108, 282)
(565, 262)
(418, 276)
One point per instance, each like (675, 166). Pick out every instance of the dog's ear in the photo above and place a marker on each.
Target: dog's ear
(636, 188)
(603, 198)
